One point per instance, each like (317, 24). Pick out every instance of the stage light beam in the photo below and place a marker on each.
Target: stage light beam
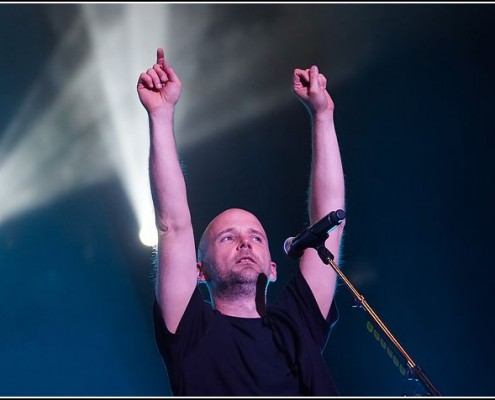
(83, 123)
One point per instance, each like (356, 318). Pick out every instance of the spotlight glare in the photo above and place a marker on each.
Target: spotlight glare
(148, 236)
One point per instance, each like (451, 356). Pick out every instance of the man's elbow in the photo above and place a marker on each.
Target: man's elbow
(169, 226)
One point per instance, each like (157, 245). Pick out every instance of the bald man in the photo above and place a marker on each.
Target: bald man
(235, 343)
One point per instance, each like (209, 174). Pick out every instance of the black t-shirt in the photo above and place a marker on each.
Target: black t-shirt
(278, 355)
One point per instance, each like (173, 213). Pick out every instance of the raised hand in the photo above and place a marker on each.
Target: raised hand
(310, 87)
(159, 88)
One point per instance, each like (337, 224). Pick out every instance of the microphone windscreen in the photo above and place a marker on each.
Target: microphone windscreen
(288, 244)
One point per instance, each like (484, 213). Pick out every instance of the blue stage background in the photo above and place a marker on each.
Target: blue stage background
(414, 91)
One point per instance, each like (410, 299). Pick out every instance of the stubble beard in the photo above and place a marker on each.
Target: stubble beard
(237, 284)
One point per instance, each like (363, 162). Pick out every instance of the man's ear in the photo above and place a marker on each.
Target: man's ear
(273, 272)
(202, 274)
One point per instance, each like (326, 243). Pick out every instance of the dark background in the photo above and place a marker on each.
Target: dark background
(414, 92)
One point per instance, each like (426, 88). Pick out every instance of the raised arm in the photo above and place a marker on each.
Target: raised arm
(327, 192)
(159, 89)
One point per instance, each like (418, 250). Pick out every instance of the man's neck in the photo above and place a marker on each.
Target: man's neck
(246, 301)
(242, 308)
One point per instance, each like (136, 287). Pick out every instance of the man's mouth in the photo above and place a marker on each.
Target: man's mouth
(246, 259)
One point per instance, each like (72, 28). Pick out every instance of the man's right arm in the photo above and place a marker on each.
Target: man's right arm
(159, 91)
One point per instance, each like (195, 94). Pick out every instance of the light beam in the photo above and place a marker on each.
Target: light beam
(82, 122)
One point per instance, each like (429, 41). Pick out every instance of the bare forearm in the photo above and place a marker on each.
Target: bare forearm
(327, 191)
(167, 181)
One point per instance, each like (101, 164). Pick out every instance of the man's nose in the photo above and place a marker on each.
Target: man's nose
(244, 243)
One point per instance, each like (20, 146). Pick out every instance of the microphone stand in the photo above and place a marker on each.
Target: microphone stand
(415, 372)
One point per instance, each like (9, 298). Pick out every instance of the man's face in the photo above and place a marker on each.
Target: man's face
(236, 249)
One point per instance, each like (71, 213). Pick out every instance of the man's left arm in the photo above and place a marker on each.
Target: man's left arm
(327, 190)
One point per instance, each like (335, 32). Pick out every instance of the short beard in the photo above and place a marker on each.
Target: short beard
(235, 285)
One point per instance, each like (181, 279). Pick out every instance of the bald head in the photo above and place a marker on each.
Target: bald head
(228, 219)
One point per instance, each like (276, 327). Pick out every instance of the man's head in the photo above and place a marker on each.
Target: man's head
(233, 252)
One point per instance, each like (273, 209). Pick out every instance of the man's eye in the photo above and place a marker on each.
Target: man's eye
(257, 238)
(227, 238)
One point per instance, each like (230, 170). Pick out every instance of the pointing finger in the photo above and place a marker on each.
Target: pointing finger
(313, 78)
(160, 57)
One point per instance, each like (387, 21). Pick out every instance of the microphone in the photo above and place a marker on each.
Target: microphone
(314, 235)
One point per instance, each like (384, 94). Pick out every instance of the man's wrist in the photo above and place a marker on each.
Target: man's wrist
(323, 116)
(161, 114)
